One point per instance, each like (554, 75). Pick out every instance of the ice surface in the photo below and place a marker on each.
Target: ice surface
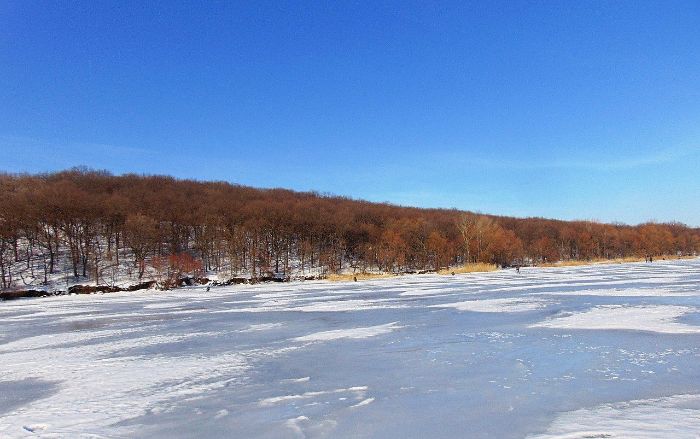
(369, 331)
(655, 318)
(495, 305)
(675, 417)
(598, 351)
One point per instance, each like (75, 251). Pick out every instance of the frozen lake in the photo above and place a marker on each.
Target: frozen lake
(559, 352)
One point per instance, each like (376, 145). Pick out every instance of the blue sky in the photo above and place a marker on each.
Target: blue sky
(573, 110)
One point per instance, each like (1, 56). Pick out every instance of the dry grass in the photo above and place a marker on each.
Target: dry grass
(470, 268)
(481, 267)
(611, 261)
(346, 277)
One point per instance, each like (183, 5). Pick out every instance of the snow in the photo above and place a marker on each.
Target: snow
(369, 331)
(598, 351)
(654, 318)
(296, 380)
(262, 327)
(495, 305)
(688, 291)
(307, 395)
(363, 402)
(675, 417)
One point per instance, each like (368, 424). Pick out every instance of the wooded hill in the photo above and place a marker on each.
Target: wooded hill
(151, 222)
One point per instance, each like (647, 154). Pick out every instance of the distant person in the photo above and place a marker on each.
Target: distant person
(517, 269)
(208, 288)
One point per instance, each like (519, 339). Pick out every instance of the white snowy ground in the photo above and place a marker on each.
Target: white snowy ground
(600, 351)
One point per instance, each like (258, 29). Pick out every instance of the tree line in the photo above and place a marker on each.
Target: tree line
(98, 222)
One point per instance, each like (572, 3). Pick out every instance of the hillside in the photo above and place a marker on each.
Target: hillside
(83, 226)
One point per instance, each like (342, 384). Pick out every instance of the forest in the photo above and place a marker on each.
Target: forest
(94, 223)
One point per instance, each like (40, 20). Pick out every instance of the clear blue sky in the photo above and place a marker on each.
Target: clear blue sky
(566, 109)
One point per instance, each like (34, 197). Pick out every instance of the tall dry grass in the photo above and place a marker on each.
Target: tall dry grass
(481, 267)
(624, 260)
(478, 267)
(346, 277)
(467, 268)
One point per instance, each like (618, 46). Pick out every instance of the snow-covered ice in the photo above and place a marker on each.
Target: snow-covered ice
(569, 352)
(655, 318)
(369, 331)
(675, 417)
(495, 305)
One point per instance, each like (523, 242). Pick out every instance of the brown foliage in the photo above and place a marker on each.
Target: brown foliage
(92, 217)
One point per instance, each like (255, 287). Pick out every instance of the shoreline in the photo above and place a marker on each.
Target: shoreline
(78, 289)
